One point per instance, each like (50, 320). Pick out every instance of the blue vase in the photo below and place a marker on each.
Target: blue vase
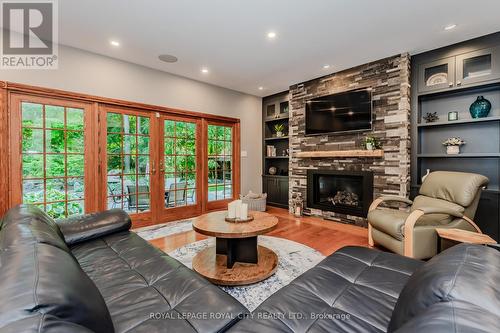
(480, 108)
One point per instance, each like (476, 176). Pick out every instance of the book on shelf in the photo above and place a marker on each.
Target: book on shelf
(271, 151)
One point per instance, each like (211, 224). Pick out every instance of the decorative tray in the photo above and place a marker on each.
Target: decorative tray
(237, 220)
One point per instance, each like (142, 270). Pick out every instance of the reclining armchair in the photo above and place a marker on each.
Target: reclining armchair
(446, 200)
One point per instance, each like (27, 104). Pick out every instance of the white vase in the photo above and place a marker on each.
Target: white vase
(369, 146)
(452, 150)
(279, 134)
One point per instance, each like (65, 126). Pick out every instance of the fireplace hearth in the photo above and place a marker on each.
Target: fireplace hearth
(345, 192)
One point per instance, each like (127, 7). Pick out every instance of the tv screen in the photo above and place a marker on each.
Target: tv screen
(343, 112)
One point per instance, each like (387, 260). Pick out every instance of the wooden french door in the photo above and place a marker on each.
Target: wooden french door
(53, 144)
(180, 165)
(222, 163)
(128, 161)
(152, 164)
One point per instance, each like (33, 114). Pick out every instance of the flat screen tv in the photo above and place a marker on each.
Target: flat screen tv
(339, 113)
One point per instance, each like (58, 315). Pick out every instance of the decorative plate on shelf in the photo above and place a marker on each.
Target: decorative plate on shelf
(438, 78)
(273, 170)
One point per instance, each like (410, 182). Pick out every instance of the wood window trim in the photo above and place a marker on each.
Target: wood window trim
(94, 103)
(49, 92)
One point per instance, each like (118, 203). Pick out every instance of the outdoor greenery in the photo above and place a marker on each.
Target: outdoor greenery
(53, 156)
(54, 137)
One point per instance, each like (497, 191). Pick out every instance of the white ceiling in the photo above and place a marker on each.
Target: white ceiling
(229, 36)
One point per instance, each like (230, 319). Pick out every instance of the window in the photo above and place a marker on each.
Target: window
(53, 158)
(220, 154)
(128, 174)
(179, 163)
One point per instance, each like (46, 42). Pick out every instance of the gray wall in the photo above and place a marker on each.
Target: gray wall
(89, 73)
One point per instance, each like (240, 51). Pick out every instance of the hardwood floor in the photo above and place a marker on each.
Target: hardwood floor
(324, 236)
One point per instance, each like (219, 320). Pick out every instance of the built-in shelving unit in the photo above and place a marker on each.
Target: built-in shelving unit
(460, 64)
(275, 110)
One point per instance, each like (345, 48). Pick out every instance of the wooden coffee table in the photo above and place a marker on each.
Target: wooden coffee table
(236, 259)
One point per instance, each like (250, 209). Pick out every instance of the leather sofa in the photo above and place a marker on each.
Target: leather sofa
(91, 274)
(363, 290)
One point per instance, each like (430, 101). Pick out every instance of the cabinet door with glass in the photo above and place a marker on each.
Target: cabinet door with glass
(478, 66)
(276, 109)
(436, 75)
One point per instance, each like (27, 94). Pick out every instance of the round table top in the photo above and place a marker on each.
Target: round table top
(214, 224)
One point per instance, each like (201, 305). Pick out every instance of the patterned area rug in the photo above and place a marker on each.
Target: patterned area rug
(293, 260)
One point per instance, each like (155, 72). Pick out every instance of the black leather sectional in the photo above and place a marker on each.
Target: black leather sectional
(91, 274)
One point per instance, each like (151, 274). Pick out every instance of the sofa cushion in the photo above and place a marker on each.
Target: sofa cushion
(27, 224)
(43, 279)
(146, 290)
(81, 228)
(463, 274)
(353, 290)
(38, 323)
(455, 316)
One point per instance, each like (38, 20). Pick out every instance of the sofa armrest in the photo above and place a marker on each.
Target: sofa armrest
(457, 211)
(81, 228)
(389, 198)
(412, 219)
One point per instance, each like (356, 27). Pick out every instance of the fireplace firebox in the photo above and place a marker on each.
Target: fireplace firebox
(344, 192)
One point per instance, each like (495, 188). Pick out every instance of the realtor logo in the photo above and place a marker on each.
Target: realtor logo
(29, 34)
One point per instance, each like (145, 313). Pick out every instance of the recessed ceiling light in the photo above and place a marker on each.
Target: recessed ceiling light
(167, 58)
(326, 66)
(115, 43)
(204, 70)
(271, 35)
(261, 88)
(450, 27)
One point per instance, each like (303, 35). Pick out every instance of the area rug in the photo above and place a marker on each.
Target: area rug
(293, 260)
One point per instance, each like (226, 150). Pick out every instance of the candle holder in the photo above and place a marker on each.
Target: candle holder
(238, 220)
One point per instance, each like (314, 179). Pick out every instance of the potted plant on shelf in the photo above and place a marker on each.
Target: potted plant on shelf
(453, 145)
(371, 143)
(278, 128)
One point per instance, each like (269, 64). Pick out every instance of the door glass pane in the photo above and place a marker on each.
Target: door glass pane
(220, 154)
(53, 158)
(436, 75)
(128, 181)
(477, 66)
(283, 108)
(179, 148)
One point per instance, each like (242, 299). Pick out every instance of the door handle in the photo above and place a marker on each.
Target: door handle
(153, 168)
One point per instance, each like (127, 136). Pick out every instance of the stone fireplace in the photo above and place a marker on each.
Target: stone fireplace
(345, 192)
(389, 80)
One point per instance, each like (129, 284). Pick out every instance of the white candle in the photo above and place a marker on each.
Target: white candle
(231, 210)
(244, 211)
(237, 204)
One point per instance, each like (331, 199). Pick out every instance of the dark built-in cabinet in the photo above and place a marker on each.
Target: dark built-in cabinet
(275, 110)
(449, 80)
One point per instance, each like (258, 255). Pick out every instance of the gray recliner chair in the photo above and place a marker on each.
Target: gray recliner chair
(446, 200)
